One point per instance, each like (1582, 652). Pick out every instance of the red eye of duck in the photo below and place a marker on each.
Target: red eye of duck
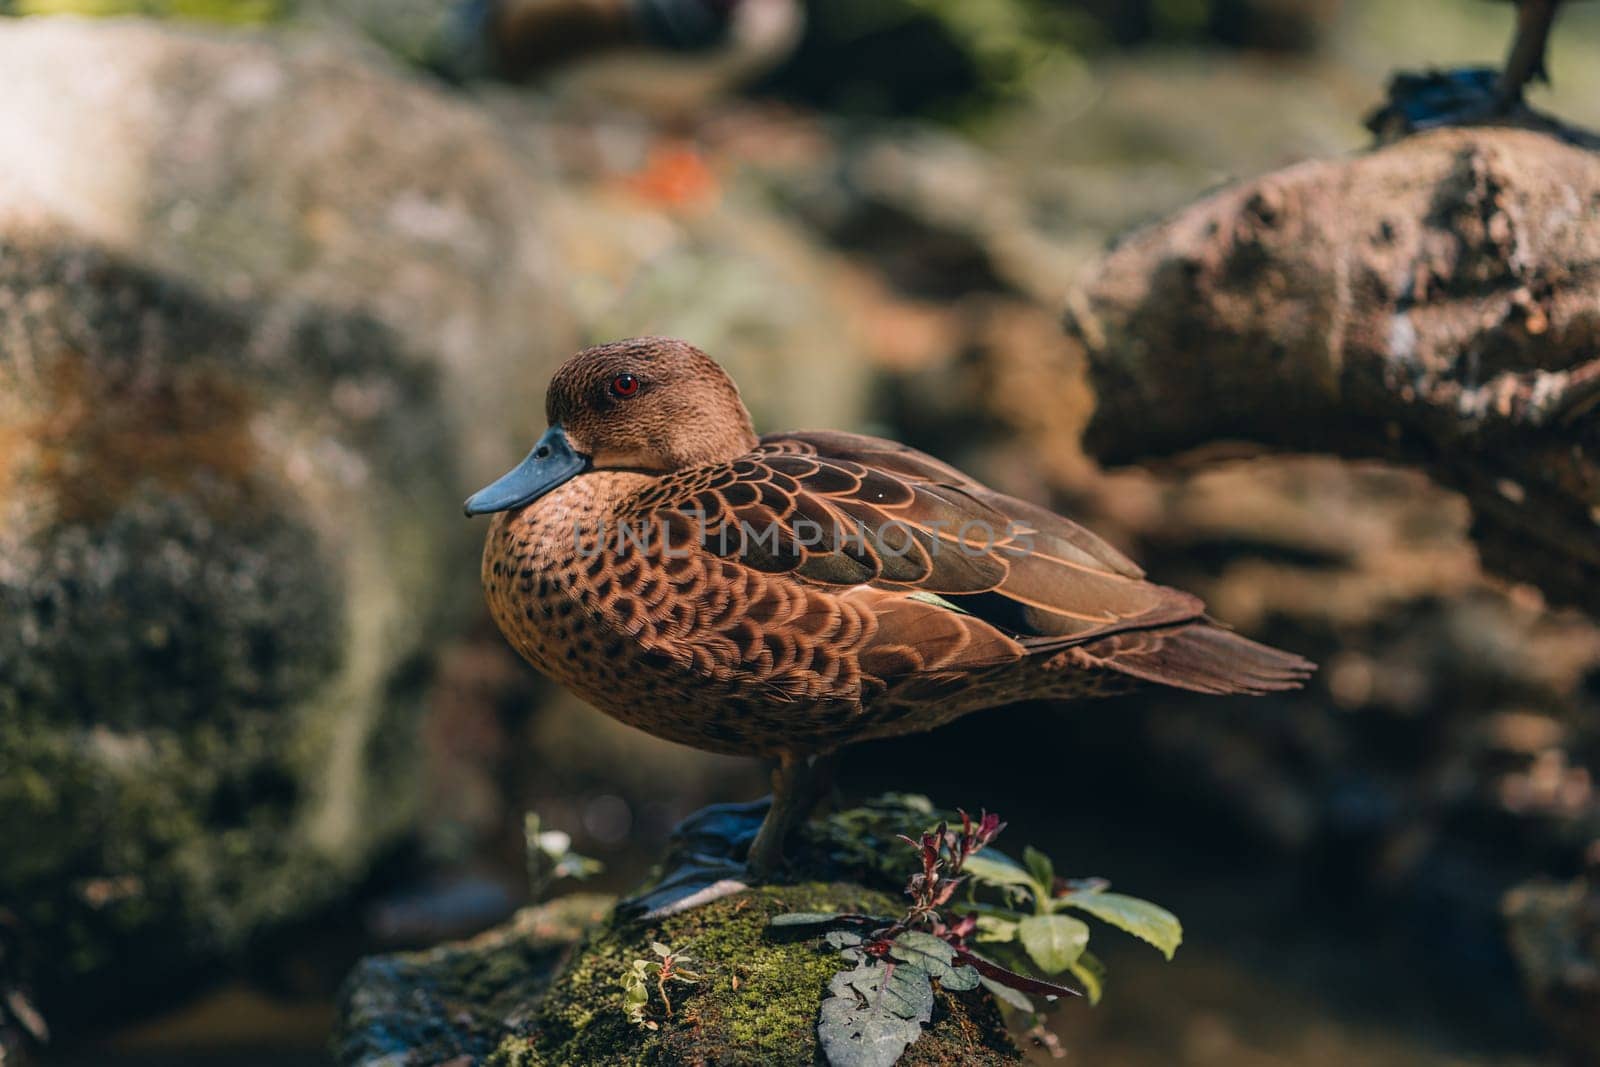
(624, 385)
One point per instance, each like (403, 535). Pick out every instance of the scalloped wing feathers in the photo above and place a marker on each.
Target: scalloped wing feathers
(954, 576)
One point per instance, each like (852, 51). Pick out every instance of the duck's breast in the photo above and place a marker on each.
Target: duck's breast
(666, 637)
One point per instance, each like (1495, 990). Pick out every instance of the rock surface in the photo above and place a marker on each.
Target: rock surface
(1555, 934)
(463, 999)
(286, 170)
(214, 574)
(534, 992)
(250, 363)
(235, 359)
(546, 988)
(1429, 303)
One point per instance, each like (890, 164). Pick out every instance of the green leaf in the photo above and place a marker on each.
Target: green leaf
(873, 1014)
(660, 950)
(842, 939)
(938, 601)
(992, 869)
(1053, 941)
(935, 956)
(550, 856)
(235, 12)
(994, 928)
(577, 867)
(925, 944)
(1142, 919)
(1043, 871)
(1090, 973)
(635, 992)
(803, 918)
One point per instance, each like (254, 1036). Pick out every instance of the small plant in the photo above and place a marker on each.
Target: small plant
(1034, 917)
(878, 1007)
(550, 857)
(637, 980)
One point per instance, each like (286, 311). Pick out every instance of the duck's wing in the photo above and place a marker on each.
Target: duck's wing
(955, 575)
(906, 462)
(903, 522)
(1044, 581)
(889, 523)
(1150, 632)
(1199, 655)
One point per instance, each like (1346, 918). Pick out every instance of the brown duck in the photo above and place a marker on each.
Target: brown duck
(1475, 96)
(786, 595)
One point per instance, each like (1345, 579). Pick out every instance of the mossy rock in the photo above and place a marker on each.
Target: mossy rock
(236, 363)
(547, 988)
(500, 1000)
(757, 1000)
(219, 591)
(459, 999)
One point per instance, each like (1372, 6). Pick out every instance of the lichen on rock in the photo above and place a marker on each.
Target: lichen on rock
(199, 734)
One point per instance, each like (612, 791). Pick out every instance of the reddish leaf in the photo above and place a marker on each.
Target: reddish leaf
(962, 928)
(947, 889)
(1020, 982)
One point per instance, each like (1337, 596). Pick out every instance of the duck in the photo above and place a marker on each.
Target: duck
(1469, 96)
(787, 595)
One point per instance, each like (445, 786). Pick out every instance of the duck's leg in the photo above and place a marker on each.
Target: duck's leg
(1470, 96)
(1526, 61)
(797, 785)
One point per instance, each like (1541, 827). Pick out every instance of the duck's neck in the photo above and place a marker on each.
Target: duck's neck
(705, 445)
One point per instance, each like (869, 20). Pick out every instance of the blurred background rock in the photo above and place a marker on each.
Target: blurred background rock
(274, 295)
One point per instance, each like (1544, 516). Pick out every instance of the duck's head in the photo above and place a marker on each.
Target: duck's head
(649, 404)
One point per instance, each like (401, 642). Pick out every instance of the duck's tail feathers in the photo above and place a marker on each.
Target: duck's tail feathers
(1201, 656)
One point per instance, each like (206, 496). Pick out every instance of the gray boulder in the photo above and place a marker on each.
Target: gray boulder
(270, 307)
(252, 290)
(220, 548)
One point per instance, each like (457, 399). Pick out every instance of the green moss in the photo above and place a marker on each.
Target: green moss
(541, 992)
(210, 665)
(458, 1000)
(757, 1000)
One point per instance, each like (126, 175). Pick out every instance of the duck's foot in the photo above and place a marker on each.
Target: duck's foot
(1468, 96)
(726, 828)
(697, 881)
(705, 861)
(723, 849)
